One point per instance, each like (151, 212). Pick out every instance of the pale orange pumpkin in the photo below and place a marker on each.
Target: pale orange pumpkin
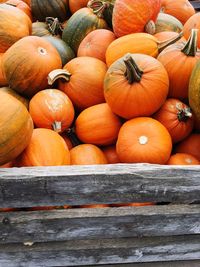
(162, 36)
(183, 159)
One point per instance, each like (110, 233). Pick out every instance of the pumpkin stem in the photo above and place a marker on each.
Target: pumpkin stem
(184, 114)
(190, 47)
(72, 136)
(58, 74)
(150, 27)
(57, 126)
(162, 45)
(54, 26)
(98, 7)
(132, 73)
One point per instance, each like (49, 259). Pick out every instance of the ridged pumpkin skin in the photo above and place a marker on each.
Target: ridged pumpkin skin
(111, 154)
(128, 97)
(75, 5)
(167, 22)
(21, 5)
(192, 23)
(97, 125)
(48, 8)
(79, 25)
(144, 140)
(51, 109)
(132, 16)
(16, 127)
(3, 81)
(96, 43)
(162, 36)
(87, 154)
(183, 159)
(181, 9)
(40, 29)
(46, 148)
(177, 118)
(14, 25)
(27, 63)
(12, 92)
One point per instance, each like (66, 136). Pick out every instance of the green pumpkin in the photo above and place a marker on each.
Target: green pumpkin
(167, 22)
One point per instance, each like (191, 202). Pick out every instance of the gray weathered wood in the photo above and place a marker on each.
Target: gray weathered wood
(94, 252)
(78, 185)
(102, 223)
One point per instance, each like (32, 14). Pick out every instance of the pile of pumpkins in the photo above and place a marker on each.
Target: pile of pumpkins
(99, 82)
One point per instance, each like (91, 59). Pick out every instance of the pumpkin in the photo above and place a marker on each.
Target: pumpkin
(179, 60)
(190, 145)
(65, 52)
(48, 8)
(97, 125)
(177, 118)
(14, 24)
(11, 92)
(27, 63)
(143, 139)
(136, 85)
(162, 36)
(96, 43)
(51, 109)
(167, 22)
(3, 81)
(181, 9)
(83, 85)
(111, 154)
(21, 5)
(7, 165)
(40, 29)
(46, 148)
(142, 43)
(16, 127)
(183, 159)
(51, 26)
(87, 154)
(94, 206)
(192, 23)
(80, 24)
(67, 140)
(75, 5)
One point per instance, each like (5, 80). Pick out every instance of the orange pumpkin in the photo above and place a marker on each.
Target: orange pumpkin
(192, 23)
(21, 5)
(183, 159)
(46, 148)
(181, 9)
(97, 125)
(162, 36)
(190, 145)
(144, 139)
(75, 5)
(11, 92)
(27, 63)
(133, 16)
(177, 118)
(136, 85)
(67, 140)
(87, 154)
(51, 109)
(111, 154)
(83, 82)
(96, 43)
(14, 25)
(3, 81)
(7, 165)
(179, 60)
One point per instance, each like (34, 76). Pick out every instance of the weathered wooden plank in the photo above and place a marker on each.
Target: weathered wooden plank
(102, 223)
(97, 252)
(79, 185)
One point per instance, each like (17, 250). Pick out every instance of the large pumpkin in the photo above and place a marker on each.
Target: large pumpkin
(133, 16)
(46, 148)
(144, 140)
(14, 24)
(136, 85)
(97, 125)
(192, 23)
(27, 63)
(179, 60)
(51, 109)
(16, 127)
(82, 80)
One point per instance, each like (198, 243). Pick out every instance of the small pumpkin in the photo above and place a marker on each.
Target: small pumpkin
(11, 92)
(27, 63)
(97, 125)
(46, 148)
(111, 154)
(83, 85)
(87, 154)
(183, 159)
(145, 140)
(167, 22)
(192, 23)
(75, 5)
(21, 5)
(96, 43)
(177, 118)
(133, 16)
(136, 85)
(3, 81)
(51, 109)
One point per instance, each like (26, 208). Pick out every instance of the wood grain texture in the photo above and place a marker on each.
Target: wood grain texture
(94, 252)
(120, 183)
(62, 225)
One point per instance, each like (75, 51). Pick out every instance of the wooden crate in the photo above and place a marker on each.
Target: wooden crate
(124, 235)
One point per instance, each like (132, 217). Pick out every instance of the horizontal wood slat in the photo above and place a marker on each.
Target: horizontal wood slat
(120, 183)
